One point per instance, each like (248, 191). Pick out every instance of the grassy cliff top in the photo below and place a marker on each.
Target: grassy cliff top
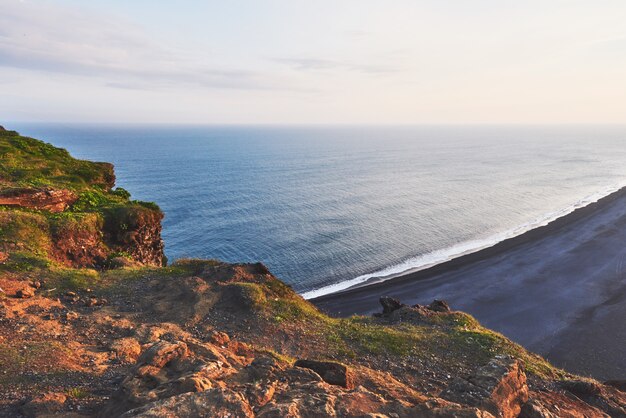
(27, 162)
(57, 211)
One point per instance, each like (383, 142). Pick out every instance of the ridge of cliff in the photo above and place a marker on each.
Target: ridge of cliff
(60, 210)
(92, 323)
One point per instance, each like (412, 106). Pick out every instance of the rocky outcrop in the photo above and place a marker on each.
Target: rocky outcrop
(390, 304)
(499, 387)
(136, 230)
(41, 199)
(331, 372)
(213, 403)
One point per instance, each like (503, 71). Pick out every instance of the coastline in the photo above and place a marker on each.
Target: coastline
(380, 282)
(542, 289)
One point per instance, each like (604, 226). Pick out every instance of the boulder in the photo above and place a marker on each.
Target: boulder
(331, 372)
(25, 293)
(439, 306)
(498, 387)
(582, 387)
(390, 304)
(126, 350)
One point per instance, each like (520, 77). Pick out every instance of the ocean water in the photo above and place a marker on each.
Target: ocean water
(329, 207)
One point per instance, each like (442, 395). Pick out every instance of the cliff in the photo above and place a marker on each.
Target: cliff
(62, 210)
(91, 324)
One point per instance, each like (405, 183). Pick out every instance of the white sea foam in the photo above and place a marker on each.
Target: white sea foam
(434, 258)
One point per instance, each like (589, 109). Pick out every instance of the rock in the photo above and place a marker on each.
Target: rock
(618, 384)
(25, 293)
(212, 403)
(331, 372)
(127, 350)
(220, 338)
(439, 306)
(40, 199)
(70, 316)
(162, 352)
(534, 409)
(544, 404)
(48, 403)
(607, 399)
(581, 387)
(260, 393)
(390, 304)
(498, 387)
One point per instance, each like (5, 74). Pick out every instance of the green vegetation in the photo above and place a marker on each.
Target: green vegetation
(27, 162)
(31, 237)
(77, 393)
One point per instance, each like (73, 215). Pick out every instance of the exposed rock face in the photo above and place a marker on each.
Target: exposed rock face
(213, 403)
(330, 371)
(439, 306)
(41, 199)
(556, 405)
(78, 242)
(605, 398)
(499, 387)
(136, 231)
(390, 304)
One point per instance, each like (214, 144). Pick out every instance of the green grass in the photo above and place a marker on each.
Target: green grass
(29, 235)
(77, 393)
(27, 162)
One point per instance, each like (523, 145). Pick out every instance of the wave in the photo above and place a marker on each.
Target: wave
(433, 258)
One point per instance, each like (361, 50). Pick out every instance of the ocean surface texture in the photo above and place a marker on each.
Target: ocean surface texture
(329, 207)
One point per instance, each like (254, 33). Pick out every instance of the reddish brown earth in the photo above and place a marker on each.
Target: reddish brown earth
(41, 199)
(192, 346)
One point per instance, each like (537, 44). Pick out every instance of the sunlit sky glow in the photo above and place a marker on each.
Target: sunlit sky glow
(321, 61)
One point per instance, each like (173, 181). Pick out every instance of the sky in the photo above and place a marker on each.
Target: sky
(313, 62)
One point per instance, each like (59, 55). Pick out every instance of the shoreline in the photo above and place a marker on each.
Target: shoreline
(554, 289)
(380, 282)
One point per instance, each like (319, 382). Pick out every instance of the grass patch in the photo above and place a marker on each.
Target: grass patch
(77, 393)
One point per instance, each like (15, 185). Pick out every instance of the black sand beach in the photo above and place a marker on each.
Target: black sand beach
(559, 290)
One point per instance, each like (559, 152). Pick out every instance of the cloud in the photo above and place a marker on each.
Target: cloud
(46, 38)
(316, 64)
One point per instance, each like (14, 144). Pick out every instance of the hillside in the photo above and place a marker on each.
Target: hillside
(93, 323)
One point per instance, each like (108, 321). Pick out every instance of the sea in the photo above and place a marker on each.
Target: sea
(330, 207)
